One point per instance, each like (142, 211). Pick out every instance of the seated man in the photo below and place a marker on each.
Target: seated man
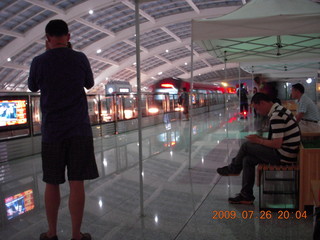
(307, 113)
(281, 146)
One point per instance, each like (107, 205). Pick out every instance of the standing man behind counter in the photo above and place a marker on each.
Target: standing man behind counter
(307, 112)
(61, 75)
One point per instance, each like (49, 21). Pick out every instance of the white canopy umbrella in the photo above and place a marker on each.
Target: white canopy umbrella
(263, 31)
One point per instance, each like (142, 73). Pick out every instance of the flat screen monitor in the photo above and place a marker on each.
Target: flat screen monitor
(13, 113)
(19, 204)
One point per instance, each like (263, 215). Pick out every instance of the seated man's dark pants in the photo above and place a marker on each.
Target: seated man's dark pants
(250, 155)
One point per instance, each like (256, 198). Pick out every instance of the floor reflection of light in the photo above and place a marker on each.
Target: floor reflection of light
(202, 160)
(105, 162)
(100, 203)
(142, 174)
(218, 141)
(171, 153)
(156, 218)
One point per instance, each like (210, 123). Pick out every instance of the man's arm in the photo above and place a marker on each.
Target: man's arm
(89, 81)
(299, 116)
(33, 83)
(302, 108)
(273, 143)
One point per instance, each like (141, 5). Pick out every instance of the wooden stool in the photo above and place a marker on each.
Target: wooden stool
(278, 186)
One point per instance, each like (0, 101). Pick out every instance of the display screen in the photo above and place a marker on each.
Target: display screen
(19, 204)
(13, 112)
(124, 90)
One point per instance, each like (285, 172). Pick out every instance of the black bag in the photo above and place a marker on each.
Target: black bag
(243, 94)
(180, 99)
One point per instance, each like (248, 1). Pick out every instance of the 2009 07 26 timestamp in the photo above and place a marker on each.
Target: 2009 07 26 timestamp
(249, 214)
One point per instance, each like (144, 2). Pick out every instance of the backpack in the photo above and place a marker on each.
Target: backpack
(180, 99)
(243, 94)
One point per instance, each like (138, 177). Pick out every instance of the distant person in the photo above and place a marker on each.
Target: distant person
(255, 90)
(243, 95)
(262, 85)
(281, 146)
(61, 75)
(307, 112)
(185, 103)
(267, 88)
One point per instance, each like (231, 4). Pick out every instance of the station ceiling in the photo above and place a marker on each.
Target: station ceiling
(105, 31)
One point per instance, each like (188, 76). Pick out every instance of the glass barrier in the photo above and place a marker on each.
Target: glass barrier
(107, 109)
(201, 100)
(36, 114)
(129, 106)
(213, 98)
(220, 98)
(154, 104)
(93, 109)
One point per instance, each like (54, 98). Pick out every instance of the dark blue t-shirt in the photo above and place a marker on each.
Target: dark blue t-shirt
(61, 75)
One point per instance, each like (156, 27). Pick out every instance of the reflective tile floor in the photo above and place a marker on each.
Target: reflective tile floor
(182, 199)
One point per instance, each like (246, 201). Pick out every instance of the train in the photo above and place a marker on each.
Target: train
(175, 85)
(201, 95)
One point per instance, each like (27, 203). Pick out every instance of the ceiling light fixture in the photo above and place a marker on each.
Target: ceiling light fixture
(309, 80)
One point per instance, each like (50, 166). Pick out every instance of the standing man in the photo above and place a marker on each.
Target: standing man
(307, 112)
(281, 146)
(243, 95)
(61, 75)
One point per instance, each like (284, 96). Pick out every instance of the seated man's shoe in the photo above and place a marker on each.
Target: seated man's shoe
(239, 199)
(85, 236)
(43, 236)
(225, 171)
